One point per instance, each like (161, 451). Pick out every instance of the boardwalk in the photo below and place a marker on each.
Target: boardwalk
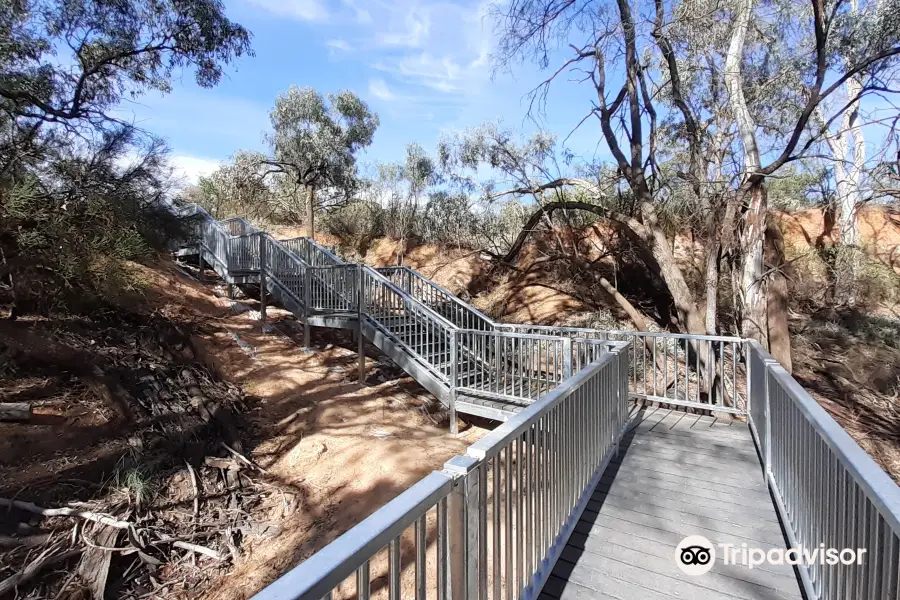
(677, 475)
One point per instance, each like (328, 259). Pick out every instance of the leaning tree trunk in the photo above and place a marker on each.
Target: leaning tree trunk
(763, 282)
(311, 212)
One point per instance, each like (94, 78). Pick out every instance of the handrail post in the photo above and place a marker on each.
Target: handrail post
(262, 278)
(767, 443)
(454, 373)
(567, 358)
(307, 311)
(464, 508)
(202, 230)
(360, 312)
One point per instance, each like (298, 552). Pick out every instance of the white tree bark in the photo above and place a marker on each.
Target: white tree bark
(735, 85)
(849, 163)
(753, 238)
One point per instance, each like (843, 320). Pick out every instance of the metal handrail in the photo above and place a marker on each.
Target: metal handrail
(387, 283)
(827, 489)
(313, 245)
(443, 292)
(496, 440)
(460, 496)
(317, 576)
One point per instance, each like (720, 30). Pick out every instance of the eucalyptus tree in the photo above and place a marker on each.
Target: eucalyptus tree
(67, 65)
(633, 70)
(73, 171)
(237, 189)
(530, 167)
(315, 141)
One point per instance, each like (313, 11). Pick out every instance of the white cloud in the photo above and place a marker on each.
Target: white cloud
(189, 169)
(379, 89)
(425, 54)
(435, 46)
(340, 45)
(302, 10)
(360, 13)
(412, 33)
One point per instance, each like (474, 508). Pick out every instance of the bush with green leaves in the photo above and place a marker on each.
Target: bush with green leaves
(81, 191)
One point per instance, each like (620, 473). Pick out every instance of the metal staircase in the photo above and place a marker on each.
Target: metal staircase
(470, 363)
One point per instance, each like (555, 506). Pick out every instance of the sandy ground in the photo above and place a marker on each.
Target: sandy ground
(342, 450)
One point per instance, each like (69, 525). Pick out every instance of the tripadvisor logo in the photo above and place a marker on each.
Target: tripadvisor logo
(696, 555)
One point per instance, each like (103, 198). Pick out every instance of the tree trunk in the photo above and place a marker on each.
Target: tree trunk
(311, 212)
(651, 241)
(753, 294)
(712, 289)
(777, 298)
(685, 304)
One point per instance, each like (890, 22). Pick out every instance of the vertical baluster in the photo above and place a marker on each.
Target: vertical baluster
(520, 522)
(497, 544)
(421, 547)
(394, 559)
(508, 498)
(363, 582)
(443, 553)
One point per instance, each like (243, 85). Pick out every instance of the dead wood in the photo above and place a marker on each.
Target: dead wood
(40, 349)
(15, 411)
(46, 559)
(65, 512)
(95, 562)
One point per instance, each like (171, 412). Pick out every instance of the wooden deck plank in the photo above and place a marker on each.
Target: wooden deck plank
(716, 474)
(684, 502)
(675, 475)
(679, 422)
(654, 549)
(665, 577)
(650, 504)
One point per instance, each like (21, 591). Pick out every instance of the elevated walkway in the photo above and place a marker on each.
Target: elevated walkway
(676, 475)
(471, 364)
(589, 486)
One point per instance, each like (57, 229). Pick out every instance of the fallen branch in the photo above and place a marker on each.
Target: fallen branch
(15, 411)
(65, 512)
(244, 459)
(196, 489)
(34, 567)
(193, 548)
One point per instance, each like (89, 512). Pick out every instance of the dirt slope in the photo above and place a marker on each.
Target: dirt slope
(343, 449)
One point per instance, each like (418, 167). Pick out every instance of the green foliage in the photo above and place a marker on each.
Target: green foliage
(239, 189)
(69, 243)
(136, 484)
(315, 139)
(82, 193)
(115, 49)
(357, 223)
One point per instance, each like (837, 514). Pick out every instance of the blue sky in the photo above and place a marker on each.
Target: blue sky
(423, 65)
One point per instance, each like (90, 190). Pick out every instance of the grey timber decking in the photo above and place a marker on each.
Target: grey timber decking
(676, 475)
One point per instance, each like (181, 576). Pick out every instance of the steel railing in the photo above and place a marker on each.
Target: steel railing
(492, 524)
(828, 491)
(494, 520)
(423, 333)
(334, 288)
(451, 307)
(312, 253)
(374, 551)
(504, 364)
(694, 371)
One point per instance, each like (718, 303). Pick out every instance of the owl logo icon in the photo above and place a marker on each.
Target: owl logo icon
(695, 555)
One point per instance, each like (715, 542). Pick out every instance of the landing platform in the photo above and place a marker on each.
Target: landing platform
(676, 475)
